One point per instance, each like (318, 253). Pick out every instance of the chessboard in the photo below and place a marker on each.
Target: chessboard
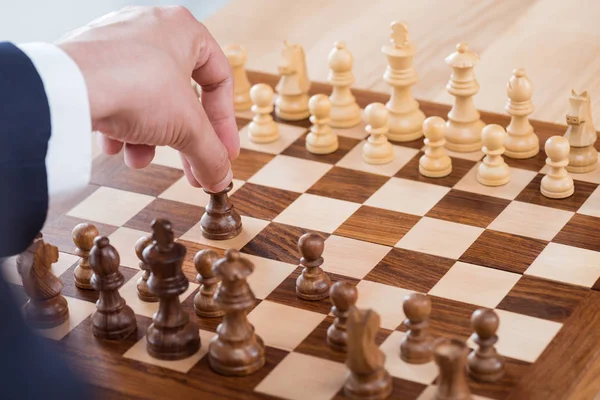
(388, 231)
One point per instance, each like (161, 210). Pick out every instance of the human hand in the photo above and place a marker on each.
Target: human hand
(137, 64)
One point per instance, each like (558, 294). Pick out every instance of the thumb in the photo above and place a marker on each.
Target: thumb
(206, 155)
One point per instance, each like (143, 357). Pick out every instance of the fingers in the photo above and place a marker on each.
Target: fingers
(108, 145)
(187, 170)
(213, 75)
(202, 150)
(138, 156)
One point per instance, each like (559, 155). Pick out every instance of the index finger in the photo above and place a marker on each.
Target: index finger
(214, 76)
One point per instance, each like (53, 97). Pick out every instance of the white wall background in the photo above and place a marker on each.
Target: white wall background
(47, 20)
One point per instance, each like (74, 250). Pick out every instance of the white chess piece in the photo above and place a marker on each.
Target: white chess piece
(521, 140)
(345, 112)
(557, 184)
(493, 171)
(377, 149)
(435, 163)
(237, 57)
(321, 138)
(262, 129)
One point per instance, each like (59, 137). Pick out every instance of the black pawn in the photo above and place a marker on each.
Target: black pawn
(113, 319)
(484, 363)
(343, 296)
(313, 284)
(204, 302)
(220, 220)
(415, 348)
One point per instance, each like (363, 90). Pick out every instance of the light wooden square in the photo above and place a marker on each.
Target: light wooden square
(519, 180)
(421, 373)
(79, 310)
(9, 271)
(288, 134)
(250, 228)
(268, 275)
(300, 377)
(167, 157)
(124, 240)
(281, 326)
(473, 284)
(440, 238)
(138, 352)
(290, 173)
(562, 263)
(353, 160)
(386, 300)
(592, 204)
(129, 292)
(471, 156)
(183, 192)
(531, 220)
(110, 206)
(407, 196)
(317, 213)
(356, 132)
(523, 337)
(364, 255)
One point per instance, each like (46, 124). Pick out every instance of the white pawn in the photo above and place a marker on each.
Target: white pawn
(377, 149)
(435, 163)
(262, 129)
(321, 139)
(493, 171)
(345, 112)
(557, 184)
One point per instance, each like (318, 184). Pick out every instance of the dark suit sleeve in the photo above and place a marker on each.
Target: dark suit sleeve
(25, 130)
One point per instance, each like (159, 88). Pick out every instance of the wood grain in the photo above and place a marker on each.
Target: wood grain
(531, 194)
(459, 169)
(182, 216)
(298, 150)
(349, 185)
(262, 202)
(248, 163)
(581, 231)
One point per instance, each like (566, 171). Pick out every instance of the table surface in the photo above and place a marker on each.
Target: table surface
(557, 42)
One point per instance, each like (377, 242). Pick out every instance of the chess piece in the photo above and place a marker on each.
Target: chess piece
(450, 355)
(557, 183)
(377, 150)
(237, 57)
(343, 296)
(345, 112)
(204, 302)
(262, 129)
(143, 291)
(493, 171)
(581, 133)
(484, 364)
(313, 283)
(521, 140)
(405, 116)
(435, 163)
(46, 307)
(113, 318)
(171, 336)
(463, 133)
(415, 348)
(220, 220)
(292, 89)
(236, 350)
(367, 377)
(321, 139)
(83, 236)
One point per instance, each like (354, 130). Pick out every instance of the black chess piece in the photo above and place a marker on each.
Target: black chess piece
(220, 220)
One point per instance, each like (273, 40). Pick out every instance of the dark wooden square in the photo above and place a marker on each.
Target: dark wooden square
(192, 248)
(581, 231)
(298, 149)
(58, 232)
(468, 208)
(349, 185)
(285, 293)
(181, 215)
(504, 251)
(542, 298)
(278, 242)
(460, 168)
(377, 225)
(315, 344)
(262, 202)
(534, 163)
(70, 290)
(248, 163)
(111, 171)
(410, 270)
(531, 194)
(242, 122)
(401, 389)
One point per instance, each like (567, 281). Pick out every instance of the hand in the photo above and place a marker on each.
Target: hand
(137, 64)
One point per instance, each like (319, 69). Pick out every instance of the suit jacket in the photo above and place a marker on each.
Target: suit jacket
(32, 116)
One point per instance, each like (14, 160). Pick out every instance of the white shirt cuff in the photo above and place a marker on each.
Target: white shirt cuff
(69, 157)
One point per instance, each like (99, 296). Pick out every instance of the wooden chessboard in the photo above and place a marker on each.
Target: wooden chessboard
(389, 230)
